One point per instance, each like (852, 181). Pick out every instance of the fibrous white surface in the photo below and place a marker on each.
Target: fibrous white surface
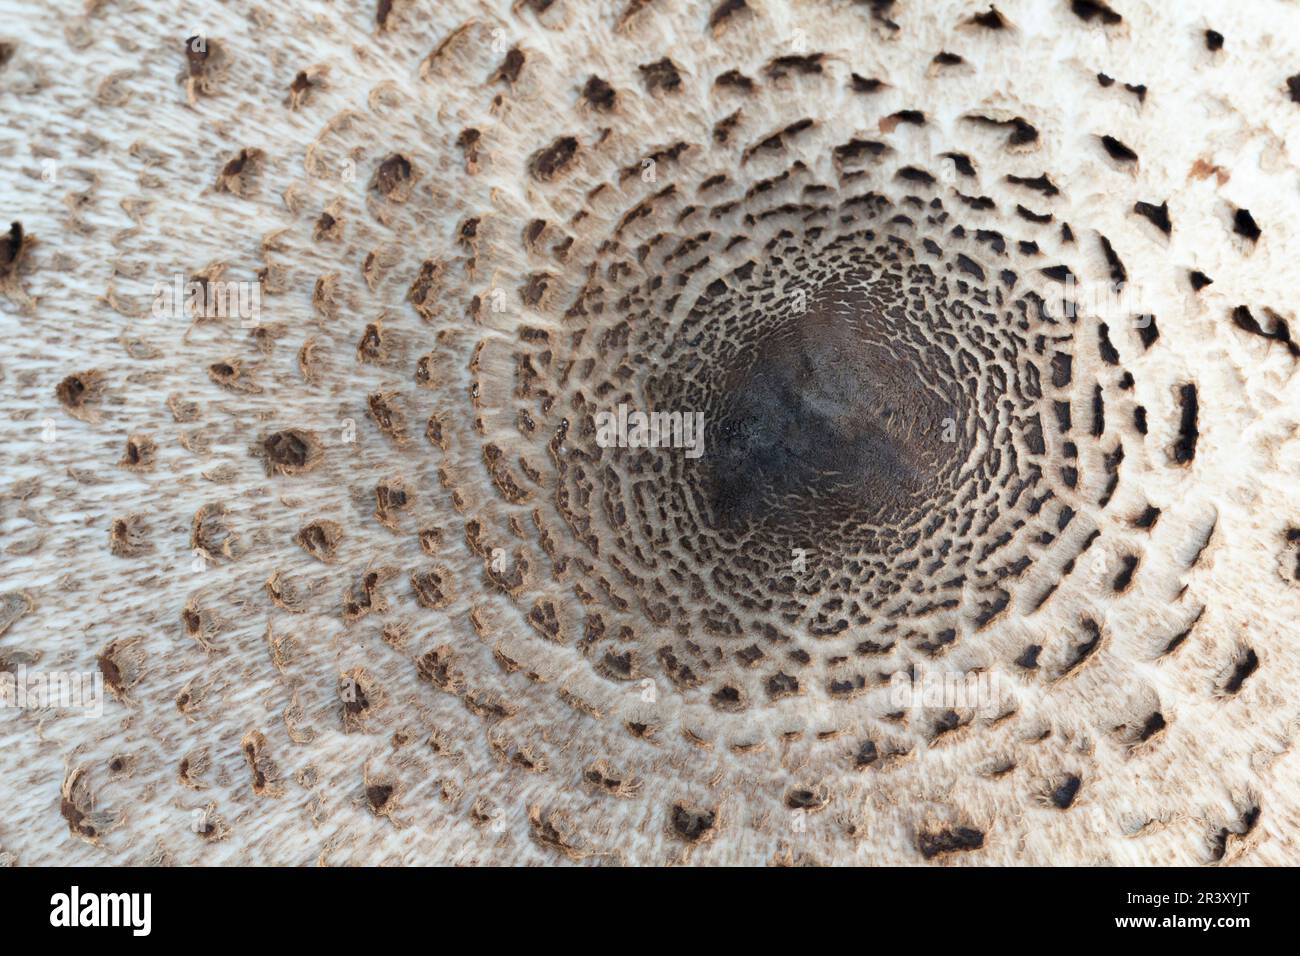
(363, 588)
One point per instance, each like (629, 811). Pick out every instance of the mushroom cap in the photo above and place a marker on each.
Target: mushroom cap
(990, 552)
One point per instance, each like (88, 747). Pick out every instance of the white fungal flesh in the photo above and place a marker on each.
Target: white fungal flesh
(364, 588)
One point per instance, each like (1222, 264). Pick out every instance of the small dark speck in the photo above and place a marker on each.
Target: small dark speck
(1243, 224)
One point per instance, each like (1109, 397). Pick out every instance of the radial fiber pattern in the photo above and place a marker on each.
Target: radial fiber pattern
(986, 552)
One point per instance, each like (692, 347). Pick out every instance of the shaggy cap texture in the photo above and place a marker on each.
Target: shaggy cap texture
(361, 580)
